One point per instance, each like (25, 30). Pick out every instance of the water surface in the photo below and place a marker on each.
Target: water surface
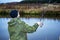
(49, 31)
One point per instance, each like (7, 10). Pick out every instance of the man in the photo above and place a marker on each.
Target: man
(18, 29)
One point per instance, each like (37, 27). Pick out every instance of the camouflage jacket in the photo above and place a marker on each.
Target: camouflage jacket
(18, 29)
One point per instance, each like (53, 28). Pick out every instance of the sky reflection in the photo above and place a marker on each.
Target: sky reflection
(49, 31)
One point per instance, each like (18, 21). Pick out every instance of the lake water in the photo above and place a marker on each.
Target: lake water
(49, 31)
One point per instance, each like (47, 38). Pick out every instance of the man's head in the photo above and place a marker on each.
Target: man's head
(14, 13)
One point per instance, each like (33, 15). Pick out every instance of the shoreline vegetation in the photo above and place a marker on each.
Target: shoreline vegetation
(31, 9)
(33, 13)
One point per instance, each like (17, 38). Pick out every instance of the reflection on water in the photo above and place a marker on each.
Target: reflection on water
(49, 31)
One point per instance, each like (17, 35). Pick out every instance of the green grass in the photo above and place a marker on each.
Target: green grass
(30, 13)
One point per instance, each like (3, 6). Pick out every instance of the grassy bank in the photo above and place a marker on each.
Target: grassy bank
(52, 13)
(32, 13)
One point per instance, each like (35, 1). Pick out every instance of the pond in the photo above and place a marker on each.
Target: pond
(49, 31)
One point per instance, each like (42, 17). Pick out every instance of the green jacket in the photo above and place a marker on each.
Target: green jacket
(18, 29)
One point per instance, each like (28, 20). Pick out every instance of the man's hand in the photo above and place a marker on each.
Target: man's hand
(40, 24)
(9, 38)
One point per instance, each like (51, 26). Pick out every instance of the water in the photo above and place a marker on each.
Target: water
(49, 31)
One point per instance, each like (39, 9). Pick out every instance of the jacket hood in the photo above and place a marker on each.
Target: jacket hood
(12, 22)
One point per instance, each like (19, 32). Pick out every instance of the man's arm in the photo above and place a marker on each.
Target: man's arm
(27, 28)
(30, 29)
